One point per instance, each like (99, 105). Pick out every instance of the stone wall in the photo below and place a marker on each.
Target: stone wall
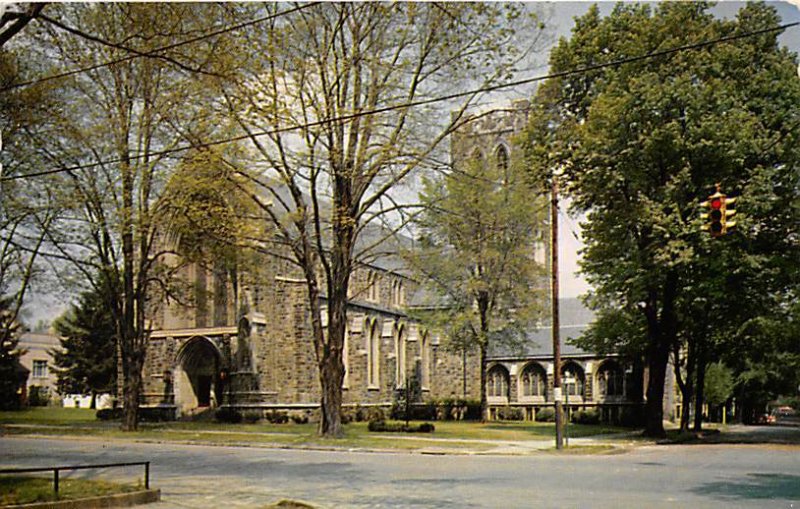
(260, 329)
(609, 406)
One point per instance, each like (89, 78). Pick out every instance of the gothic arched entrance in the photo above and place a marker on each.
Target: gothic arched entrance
(197, 383)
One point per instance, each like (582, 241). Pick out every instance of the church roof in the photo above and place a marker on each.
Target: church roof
(575, 318)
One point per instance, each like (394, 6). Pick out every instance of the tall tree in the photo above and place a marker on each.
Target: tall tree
(480, 232)
(112, 139)
(718, 384)
(643, 142)
(10, 330)
(87, 359)
(333, 100)
(25, 210)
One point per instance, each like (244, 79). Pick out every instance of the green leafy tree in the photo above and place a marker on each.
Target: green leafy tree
(765, 359)
(642, 143)
(718, 384)
(334, 98)
(25, 209)
(116, 125)
(480, 231)
(87, 359)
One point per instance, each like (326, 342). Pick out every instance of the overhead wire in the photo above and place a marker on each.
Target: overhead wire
(154, 52)
(415, 103)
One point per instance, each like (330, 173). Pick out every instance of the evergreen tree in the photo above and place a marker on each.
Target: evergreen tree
(10, 330)
(87, 360)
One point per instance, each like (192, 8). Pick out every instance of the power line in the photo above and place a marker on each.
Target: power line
(154, 52)
(411, 104)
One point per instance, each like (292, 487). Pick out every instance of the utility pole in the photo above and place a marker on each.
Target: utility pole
(555, 319)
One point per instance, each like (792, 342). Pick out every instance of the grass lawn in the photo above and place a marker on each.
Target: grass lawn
(49, 415)
(25, 490)
(456, 434)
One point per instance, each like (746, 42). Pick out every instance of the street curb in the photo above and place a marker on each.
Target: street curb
(615, 448)
(119, 500)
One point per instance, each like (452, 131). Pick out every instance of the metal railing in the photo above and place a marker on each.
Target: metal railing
(56, 471)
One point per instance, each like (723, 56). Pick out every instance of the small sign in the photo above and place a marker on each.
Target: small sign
(557, 393)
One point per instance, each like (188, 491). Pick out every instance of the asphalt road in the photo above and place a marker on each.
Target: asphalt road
(693, 476)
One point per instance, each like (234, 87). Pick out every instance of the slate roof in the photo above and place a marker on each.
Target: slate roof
(575, 319)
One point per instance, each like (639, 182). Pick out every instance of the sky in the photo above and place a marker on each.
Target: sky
(559, 16)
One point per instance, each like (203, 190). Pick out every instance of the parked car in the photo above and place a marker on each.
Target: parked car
(765, 419)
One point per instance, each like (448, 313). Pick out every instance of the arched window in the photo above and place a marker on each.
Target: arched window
(398, 299)
(376, 287)
(372, 287)
(400, 355)
(573, 379)
(609, 379)
(501, 157)
(534, 380)
(497, 382)
(425, 361)
(373, 348)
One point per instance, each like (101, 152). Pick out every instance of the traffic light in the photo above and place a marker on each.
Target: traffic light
(720, 211)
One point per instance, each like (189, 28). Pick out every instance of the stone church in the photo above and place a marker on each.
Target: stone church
(246, 340)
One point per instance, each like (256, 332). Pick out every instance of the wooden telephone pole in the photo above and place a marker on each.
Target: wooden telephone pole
(555, 318)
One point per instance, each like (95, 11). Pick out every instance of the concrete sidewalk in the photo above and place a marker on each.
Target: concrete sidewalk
(438, 445)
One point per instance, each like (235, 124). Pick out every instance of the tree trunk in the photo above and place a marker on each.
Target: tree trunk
(93, 401)
(331, 367)
(654, 407)
(331, 376)
(330, 363)
(483, 314)
(131, 391)
(662, 332)
(484, 399)
(699, 391)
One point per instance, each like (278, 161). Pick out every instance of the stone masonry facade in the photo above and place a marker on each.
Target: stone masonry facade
(245, 339)
(261, 357)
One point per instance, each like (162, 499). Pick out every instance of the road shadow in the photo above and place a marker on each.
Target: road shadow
(779, 435)
(755, 486)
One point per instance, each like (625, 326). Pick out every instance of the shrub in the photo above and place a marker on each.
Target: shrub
(510, 414)
(299, 417)
(157, 414)
(109, 414)
(546, 414)
(251, 416)
(400, 427)
(375, 414)
(38, 396)
(586, 417)
(426, 427)
(632, 417)
(228, 415)
(277, 417)
(472, 410)
(417, 411)
(457, 409)
(360, 413)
